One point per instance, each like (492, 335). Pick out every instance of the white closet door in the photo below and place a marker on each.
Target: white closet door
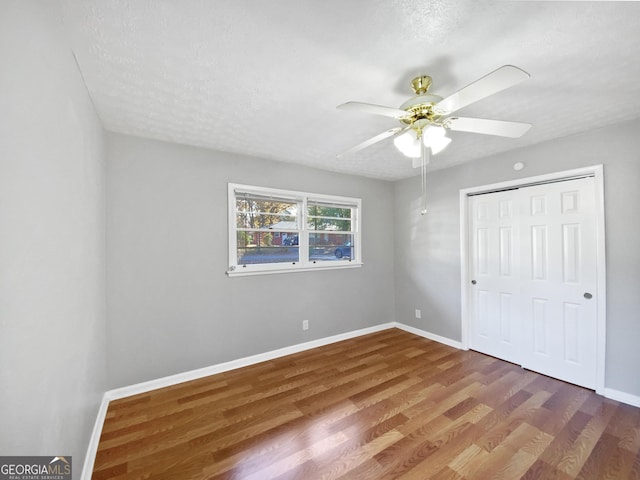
(496, 325)
(533, 261)
(558, 272)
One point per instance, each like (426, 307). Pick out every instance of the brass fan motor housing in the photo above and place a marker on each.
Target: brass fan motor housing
(421, 105)
(420, 111)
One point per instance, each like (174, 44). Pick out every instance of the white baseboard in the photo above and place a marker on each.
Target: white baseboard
(92, 449)
(170, 380)
(623, 397)
(239, 363)
(430, 336)
(263, 357)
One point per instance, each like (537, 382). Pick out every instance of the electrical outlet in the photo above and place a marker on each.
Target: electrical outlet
(418, 313)
(305, 324)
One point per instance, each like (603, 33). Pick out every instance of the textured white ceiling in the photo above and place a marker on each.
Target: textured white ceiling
(263, 78)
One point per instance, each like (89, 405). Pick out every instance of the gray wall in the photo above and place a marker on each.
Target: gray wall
(171, 307)
(427, 260)
(52, 252)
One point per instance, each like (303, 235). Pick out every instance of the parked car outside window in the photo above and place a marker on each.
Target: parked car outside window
(344, 250)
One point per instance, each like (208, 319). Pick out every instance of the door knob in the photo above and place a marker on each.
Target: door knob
(473, 282)
(588, 296)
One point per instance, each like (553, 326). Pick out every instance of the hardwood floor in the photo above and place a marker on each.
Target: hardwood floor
(385, 405)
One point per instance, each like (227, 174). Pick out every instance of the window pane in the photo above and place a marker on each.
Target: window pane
(327, 246)
(266, 214)
(259, 246)
(268, 225)
(329, 218)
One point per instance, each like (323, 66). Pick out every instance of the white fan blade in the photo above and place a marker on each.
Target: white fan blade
(375, 109)
(389, 133)
(494, 82)
(488, 127)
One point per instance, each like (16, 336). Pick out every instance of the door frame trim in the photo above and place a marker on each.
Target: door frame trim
(596, 171)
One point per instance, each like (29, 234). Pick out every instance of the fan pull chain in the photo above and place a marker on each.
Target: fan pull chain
(423, 174)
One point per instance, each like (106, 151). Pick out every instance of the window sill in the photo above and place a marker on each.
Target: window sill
(291, 269)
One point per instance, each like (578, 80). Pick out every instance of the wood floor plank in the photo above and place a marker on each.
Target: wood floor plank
(607, 461)
(542, 470)
(390, 405)
(578, 454)
(450, 438)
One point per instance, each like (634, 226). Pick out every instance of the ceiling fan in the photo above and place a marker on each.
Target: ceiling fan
(425, 118)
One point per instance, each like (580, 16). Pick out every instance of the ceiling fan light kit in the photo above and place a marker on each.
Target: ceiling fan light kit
(425, 118)
(432, 136)
(408, 143)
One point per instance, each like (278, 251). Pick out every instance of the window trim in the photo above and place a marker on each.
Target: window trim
(304, 264)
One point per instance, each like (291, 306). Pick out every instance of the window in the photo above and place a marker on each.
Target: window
(275, 231)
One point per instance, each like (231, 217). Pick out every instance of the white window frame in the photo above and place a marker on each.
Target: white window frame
(304, 264)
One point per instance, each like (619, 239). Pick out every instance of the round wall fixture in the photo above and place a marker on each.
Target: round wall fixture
(518, 166)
